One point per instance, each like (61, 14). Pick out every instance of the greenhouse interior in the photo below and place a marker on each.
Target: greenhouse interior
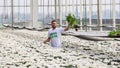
(88, 32)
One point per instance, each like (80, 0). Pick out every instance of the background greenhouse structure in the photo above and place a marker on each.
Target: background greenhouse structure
(102, 15)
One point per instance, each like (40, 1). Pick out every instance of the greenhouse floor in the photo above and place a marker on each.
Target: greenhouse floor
(21, 48)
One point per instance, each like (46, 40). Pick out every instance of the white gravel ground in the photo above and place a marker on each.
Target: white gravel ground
(25, 49)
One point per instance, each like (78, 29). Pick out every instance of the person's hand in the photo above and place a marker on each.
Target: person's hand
(44, 42)
(47, 40)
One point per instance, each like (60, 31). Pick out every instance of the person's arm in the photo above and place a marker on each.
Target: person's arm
(47, 40)
(67, 28)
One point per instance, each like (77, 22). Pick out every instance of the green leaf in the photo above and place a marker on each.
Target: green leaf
(72, 20)
(113, 33)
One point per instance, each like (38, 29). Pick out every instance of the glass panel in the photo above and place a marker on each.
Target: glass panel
(22, 2)
(40, 13)
(94, 2)
(8, 2)
(117, 11)
(82, 1)
(94, 12)
(1, 2)
(52, 2)
(70, 2)
(16, 2)
(16, 14)
(94, 15)
(117, 1)
(1, 14)
(63, 13)
(45, 2)
(107, 2)
(40, 2)
(64, 2)
(28, 2)
(87, 1)
(8, 14)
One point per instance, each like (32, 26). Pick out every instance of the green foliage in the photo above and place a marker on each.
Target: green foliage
(28, 66)
(72, 20)
(71, 66)
(114, 33)
(118, 31)
(1, 27)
